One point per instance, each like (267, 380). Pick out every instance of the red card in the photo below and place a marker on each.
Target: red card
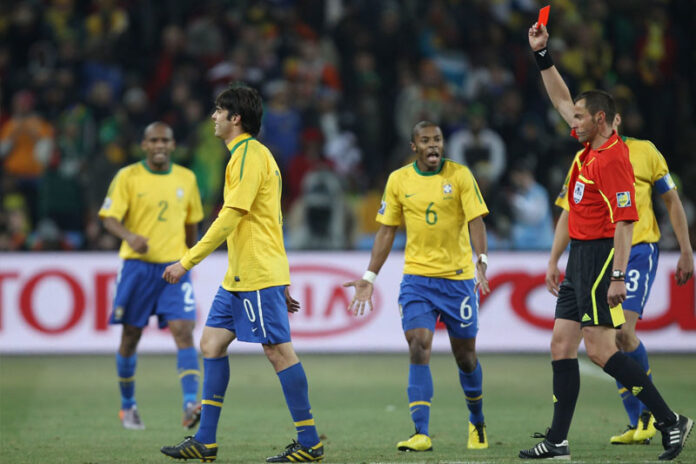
(543, 16)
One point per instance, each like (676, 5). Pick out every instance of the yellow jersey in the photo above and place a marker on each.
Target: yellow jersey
(651, 171)
(156, 205)
(436, 208)
(256, 253)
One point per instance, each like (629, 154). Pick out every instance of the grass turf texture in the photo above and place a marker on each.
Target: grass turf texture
(64, 409)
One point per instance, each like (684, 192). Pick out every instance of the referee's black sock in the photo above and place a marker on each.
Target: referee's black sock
(631, 375)
(566, 387)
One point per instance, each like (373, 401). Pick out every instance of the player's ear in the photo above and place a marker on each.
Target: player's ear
(413, 146)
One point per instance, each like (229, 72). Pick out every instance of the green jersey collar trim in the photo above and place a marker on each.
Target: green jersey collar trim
(236, 145)
(159, 173)
(428, 173)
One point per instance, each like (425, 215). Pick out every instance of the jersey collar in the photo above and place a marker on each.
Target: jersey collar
(159, 173)
(611, 141)
(237, 141)
(429, 173)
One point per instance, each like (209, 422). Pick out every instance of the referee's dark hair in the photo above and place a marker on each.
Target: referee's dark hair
(244, 101)
(599, 100)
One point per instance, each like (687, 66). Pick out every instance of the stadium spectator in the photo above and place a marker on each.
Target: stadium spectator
(532, 226)
(154, 207)
(444, 225)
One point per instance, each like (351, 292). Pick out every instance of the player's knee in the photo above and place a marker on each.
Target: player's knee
(419, 350)
(467, 361)
(211, 349)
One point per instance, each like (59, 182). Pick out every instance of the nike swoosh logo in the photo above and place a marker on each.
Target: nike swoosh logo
(141, 194)
(462, 325)
(409, 195)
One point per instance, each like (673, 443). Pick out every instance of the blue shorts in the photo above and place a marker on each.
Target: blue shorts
(141, 292)
(423, 299)
(259, 316)
(640, 275)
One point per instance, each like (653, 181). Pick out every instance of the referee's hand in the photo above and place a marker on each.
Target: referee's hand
(538, 37)
(617, 293)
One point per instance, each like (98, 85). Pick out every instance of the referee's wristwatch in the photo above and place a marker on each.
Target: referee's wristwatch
(618, 274)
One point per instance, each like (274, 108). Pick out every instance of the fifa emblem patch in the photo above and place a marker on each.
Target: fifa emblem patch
(118, 313)
(564, 191)
(382, 207)
(107, 203)
(623, 199)
(179, 193)
(447, 188)
(578, 192)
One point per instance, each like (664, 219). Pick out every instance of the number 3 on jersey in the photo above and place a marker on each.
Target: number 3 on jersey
(430, 214)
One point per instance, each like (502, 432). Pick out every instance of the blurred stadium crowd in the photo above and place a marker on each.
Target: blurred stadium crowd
(343, 83)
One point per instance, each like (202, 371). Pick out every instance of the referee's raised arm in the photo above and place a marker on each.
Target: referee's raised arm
(553, 82)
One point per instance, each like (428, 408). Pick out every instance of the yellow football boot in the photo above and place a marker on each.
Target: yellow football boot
(417, 442)
(646, 429)
(477, 436)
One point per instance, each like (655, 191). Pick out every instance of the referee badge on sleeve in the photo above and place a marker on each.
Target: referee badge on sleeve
(623, 199)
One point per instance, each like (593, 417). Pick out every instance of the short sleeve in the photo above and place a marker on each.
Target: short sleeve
(389, 212)
(116, 202)
(617, 184)
(244, 178)
(471, 198)
(194, 213)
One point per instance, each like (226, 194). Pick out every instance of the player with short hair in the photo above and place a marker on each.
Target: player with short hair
(651, 173)
(154, 206)
(600, 225)
(253, 301)
(442, 208)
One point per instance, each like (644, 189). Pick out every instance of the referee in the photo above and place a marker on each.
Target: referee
(600, 225)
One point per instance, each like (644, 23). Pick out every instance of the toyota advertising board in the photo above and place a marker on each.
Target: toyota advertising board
(60, 303)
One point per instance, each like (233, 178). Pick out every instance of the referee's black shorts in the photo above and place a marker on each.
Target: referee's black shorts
(583, 293)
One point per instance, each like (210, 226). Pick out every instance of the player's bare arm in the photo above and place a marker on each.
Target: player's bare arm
(553, 82)
(380, 251)
(479, 243)
(191, 234)
(292, 304)
(622, 250)
(137, 242)
(561, 238)
(685, 265)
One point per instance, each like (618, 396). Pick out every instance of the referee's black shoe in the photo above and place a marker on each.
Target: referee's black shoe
(546, 449)
(674, 436)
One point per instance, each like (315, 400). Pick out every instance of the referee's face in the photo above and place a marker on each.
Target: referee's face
(584, 123)
(428, 145)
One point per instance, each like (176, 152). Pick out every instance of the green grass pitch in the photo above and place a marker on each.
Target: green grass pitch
(63, 409)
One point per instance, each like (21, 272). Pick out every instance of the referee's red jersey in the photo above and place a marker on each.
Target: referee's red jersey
(601, 191)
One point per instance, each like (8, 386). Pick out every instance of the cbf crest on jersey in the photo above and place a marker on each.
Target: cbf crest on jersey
(578, 192)
(623, 199)
(447, 191)
(179, 193)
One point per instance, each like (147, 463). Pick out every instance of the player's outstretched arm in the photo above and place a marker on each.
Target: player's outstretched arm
(561, 238)
(479, 243)
(137, 242)
(685, 265)
(556, 88)
(364, 287)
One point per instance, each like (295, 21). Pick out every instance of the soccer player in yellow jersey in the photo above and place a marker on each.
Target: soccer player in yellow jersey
(154, 207)
(253, 301)
(651, 173)
(442, 208)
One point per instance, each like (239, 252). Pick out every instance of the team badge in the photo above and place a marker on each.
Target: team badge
(118, 313)
(447, 188)
(382, 207)
(623, 199)
(179, 193)
(578, 192)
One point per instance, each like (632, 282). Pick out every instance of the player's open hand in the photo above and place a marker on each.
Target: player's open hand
(362, 297)
(292, 304)
(138, 243)
(685, 268)
(553, 279)
(538, 36)
(481, 279)
(174, 272)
